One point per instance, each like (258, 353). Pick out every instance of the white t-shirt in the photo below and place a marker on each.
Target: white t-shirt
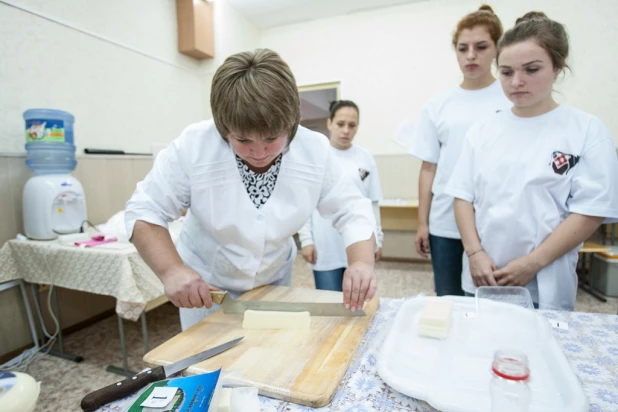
(438, 138)
(524, 176)
(360, 167)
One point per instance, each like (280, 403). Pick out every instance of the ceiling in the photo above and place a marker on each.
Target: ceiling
(266, 14)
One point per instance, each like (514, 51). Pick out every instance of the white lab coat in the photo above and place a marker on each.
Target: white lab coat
(226, 239)
(524, 176)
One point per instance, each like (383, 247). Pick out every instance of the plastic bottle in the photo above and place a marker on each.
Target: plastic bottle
(509, 382)
(49, 141)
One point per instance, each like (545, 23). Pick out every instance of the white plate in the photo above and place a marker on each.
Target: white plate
(453, 375)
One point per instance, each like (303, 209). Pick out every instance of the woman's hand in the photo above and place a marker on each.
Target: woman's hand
(422, 241)
(482, 269)
(185, 288)
(359, 285)
(518, 272)
(310, 254)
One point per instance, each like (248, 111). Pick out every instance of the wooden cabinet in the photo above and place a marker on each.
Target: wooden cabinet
(195, 28)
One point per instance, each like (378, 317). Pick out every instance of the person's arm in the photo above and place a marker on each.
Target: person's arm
(574, 230)
(306, 242)
(160, 198)
(425, 183)
(184, 287)
(425, 146)
(352, 216)
(481, 265)
(359, 278)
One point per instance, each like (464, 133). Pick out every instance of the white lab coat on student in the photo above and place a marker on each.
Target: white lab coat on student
(524, 176)
(226, 239)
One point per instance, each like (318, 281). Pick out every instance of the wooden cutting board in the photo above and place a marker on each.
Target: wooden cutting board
(303, 367)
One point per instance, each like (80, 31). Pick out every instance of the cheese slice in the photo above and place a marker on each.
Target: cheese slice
(224, 403)
(258, 319)
(436, 318)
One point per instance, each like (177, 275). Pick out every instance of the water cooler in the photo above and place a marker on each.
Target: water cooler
(53, 200)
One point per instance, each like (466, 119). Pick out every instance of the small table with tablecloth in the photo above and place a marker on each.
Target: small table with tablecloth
(113, 269)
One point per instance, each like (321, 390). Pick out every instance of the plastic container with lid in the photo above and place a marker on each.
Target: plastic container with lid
(49, 125)
(508, 386)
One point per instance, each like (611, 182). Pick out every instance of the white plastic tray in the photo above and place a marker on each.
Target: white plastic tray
(453, 375)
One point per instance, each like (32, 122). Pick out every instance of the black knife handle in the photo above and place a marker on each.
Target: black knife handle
(115, 391)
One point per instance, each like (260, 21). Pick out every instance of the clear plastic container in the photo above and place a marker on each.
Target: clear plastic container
(49, 125)
(515, 295)
(50, 157)
(509, 383)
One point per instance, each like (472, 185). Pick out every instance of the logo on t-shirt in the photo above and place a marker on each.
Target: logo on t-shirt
(363, 174)
(562, 162)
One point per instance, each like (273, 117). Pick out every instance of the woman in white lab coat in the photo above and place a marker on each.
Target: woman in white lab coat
(534, 182)
(438, 138)
(321, 245)
(250, 179)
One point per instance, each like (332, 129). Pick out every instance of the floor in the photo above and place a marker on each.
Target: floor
(64, 383)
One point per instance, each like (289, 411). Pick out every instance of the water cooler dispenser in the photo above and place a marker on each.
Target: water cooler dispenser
(53, 200)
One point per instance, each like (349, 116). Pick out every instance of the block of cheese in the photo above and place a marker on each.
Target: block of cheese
(224, 403)
(259, 319)
(435, 320)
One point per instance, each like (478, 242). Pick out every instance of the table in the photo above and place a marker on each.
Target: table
(586, 252)
(105, 270)
(590, 344)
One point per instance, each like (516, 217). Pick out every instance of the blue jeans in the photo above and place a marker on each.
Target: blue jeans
(329, 279)
(446, 256)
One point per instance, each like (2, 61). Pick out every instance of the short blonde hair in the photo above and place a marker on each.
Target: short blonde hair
(255, 92)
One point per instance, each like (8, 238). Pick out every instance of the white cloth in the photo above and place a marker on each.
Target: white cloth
(360, 166)
(438, 138)
(524, 176)
(225, 238)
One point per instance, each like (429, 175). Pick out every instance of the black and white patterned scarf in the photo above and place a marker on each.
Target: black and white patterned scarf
(259, 185)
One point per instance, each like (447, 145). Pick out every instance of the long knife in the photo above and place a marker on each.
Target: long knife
(232, 306)
(115, 391)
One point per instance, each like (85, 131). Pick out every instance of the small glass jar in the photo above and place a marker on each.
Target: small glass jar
(509, 383)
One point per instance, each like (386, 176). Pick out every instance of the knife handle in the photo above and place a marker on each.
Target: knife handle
(218, 296)
(115, 391)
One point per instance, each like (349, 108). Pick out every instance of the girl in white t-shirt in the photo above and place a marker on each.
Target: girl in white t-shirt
(532, 183)
(322, 246)
(438, 138)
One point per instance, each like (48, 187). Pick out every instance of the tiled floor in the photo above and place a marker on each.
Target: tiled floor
(64, 383)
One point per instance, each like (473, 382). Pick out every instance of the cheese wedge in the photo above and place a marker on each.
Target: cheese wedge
(258, 319)
(436, 318)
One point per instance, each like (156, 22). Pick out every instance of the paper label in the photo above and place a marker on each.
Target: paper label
(160, 397)
(558, 324)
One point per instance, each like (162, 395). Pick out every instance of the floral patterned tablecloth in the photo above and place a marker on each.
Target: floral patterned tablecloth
(590, 344)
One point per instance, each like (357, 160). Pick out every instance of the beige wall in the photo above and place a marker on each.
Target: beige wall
(108, 182)
(391, 61)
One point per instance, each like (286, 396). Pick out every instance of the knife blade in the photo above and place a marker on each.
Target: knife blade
(233, 306)
(115, 391)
